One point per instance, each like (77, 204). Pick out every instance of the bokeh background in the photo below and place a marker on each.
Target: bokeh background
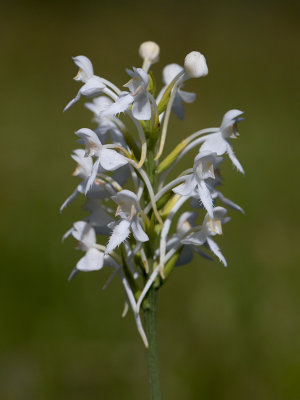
(223, 333)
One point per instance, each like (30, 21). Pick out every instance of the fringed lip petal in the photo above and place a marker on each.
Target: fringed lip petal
(205, 197)
(120, 233)
(216, 250)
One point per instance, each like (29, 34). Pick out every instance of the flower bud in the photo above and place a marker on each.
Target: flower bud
(149, 51)
(195, 65)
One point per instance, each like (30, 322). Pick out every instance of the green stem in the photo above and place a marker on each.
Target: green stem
(152, 351)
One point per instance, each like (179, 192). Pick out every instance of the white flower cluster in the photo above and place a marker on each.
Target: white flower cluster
(130, 200)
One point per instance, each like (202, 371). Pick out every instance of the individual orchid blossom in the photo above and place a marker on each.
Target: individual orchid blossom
(108, 159)
(210, 227)
(185, 224)
(137, 96)
(219, 142)
(203, 169)
(127, 210)
(139, 221)
(93, 85)
(86, 236)
(84, 170)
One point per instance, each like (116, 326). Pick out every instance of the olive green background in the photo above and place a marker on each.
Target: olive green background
(223, 333)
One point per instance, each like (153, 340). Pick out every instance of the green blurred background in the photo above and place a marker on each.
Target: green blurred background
(223, 333)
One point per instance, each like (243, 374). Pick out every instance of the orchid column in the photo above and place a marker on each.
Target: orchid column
(137, 223)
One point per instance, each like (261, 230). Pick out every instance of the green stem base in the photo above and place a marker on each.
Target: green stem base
(152, 351)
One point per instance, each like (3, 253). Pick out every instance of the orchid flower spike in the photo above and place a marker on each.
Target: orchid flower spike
(146, 223)
(149, 51)
(93, 85)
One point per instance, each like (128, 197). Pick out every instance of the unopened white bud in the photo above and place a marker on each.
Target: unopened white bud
(149, 51)
(195, 65)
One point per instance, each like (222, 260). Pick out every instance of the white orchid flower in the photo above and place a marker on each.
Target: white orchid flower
(93, 85)
(203, 169)
(83, 171)
(86, 236)
(108, 159)
(219, 142)
(138, 96)
(210, 227)
(185, 224)
(169, 73)
(128, 208)
(215, 194)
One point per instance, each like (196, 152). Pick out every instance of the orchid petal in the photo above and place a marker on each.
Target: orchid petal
(76, 98)
(186, 188)
(93, 175)
(216, 250)
(196, 239)
(119, 234)
(187, 97)
(92, 87)
(138, 231)
(185, 256)
(205, 197)
(178, 107)
(215, 143)
(229, 202)
(118, 107)
(186, 221)
(73, 274)
(67, 234)
(84, 233)
(89, 135)
(234, 160)
(85, 68)
(92, 261)
(110, 160)
(69, 200)
(141, 108)
(203, 254)
(230, 118)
